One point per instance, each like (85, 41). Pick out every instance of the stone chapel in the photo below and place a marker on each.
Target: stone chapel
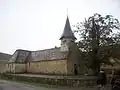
(63, 60)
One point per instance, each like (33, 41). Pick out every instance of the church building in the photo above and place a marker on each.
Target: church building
(63, 60)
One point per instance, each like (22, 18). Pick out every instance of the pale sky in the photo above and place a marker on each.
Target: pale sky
(38, 24)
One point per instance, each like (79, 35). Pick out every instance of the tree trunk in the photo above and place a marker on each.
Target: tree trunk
(95, 66)
(95, 61)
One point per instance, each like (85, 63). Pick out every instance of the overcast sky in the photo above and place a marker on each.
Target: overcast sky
(38, 24)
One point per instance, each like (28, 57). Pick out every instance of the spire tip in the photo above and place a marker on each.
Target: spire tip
(67, 12)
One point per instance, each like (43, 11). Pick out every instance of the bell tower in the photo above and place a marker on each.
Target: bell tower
(67, 37)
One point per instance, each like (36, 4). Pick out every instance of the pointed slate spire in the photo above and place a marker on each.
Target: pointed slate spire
(67, 33)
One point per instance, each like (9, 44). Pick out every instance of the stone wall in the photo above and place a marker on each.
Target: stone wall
(10, 67)
(15, 68)
(48, 67)
(20, 68)
(3, 67)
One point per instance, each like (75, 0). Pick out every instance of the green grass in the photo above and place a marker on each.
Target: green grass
(31, 83)
(38, 84)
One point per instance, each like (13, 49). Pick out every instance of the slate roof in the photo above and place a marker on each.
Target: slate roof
(23, 56)
(48, 54)
(67, 33)
(4, 56)
(20, 56)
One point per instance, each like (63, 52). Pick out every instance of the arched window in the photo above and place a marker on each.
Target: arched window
(64, 41)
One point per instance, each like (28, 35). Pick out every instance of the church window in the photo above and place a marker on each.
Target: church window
(72, 40)
(64, 41)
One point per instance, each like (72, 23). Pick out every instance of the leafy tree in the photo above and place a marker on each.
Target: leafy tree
(98, 34)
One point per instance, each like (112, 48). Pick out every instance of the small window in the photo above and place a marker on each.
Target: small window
(64, 41)
(72, 40)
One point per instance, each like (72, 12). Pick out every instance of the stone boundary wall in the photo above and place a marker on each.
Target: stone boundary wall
(53, 81)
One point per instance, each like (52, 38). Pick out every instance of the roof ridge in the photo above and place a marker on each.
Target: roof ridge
(4, 53)
(22, 50)
(47, 49)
